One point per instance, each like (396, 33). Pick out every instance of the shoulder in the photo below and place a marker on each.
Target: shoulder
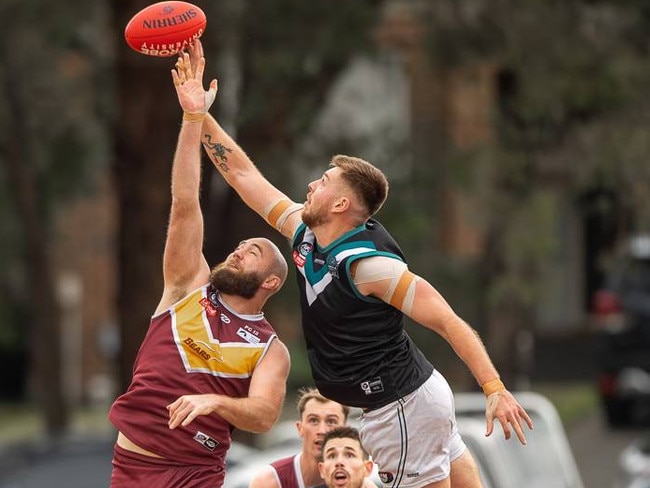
(265, 478)
(381, 234)
(279, 348)
(276, 358)
(282, 463)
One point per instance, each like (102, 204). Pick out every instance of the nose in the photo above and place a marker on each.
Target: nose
(312, 185)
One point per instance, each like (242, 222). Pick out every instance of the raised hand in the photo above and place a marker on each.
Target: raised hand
(188, 82)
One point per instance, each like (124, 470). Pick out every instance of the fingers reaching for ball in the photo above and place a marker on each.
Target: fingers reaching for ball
(188, 81)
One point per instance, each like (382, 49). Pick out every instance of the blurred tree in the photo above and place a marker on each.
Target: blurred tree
(571, 110)
(144, 133)
(47, 127)
(280, 57)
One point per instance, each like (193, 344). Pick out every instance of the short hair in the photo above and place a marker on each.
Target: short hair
(344, 432)
(308, 393)
(367, 181)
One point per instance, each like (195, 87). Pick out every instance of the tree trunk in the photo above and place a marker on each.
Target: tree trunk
(145, 134)
(45, 353)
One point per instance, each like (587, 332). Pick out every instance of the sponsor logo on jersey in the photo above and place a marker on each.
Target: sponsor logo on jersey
(374, 385)
(206, 441)
(300, 254)
(224, 318)
(248, 335)
(210, 309)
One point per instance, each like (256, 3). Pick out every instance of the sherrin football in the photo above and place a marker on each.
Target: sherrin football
(165, 28)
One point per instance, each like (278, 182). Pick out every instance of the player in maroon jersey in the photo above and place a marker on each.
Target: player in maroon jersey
(210, 362)
(318, 415)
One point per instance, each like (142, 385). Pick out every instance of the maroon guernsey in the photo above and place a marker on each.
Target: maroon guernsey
(197, 346)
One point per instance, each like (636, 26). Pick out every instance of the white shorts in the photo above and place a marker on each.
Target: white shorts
(414, 439)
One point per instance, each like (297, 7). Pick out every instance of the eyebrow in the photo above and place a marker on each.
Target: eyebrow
(257, 246)
(345, 449)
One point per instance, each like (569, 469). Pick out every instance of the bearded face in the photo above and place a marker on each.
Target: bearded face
(314, 215)
(234, 282)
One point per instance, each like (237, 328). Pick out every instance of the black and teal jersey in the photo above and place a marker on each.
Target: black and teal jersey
(359, 353)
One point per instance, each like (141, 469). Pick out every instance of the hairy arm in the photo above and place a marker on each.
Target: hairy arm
(183, 262)
(184, 265)
(257, 412)
(418, 299)
(241, 173)
(245, 178)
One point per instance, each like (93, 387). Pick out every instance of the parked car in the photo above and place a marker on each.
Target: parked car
(621, 312)
(634, 464)
(282, 441)
(545, 461)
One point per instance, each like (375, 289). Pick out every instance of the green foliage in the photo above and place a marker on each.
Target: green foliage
(292, 51)
(571, 87)
(49, 129)
(53, 73)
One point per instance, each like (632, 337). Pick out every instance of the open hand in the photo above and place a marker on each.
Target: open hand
(189, 85)
(503, 406)
(188, 407)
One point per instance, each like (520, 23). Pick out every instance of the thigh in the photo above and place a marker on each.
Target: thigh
(414, 440)
(464, 472)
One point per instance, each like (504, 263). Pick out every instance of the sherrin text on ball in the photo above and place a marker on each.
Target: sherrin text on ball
(164, 29)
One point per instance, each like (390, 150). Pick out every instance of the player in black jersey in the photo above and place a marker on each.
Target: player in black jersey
(355, 289)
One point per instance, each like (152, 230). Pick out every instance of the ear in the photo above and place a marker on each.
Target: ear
(341, 205)
(271, 282)
(320, 469)
(369, 465)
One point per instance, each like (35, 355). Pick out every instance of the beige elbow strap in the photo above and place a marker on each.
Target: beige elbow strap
(404, 292)
(279, 211)
(400, 292)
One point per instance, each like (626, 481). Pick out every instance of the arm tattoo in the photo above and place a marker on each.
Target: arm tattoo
(218, 152)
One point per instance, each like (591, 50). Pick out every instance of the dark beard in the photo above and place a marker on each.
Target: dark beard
(231, 282)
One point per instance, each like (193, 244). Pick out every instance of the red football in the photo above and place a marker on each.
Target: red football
(165, 28)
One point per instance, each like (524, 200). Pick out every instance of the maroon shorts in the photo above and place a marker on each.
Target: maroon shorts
(133, 470)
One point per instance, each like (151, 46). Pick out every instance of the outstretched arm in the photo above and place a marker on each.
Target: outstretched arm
(432, 311)
(243, 176)
(184, 266)
(241, 173)
(391, 281)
